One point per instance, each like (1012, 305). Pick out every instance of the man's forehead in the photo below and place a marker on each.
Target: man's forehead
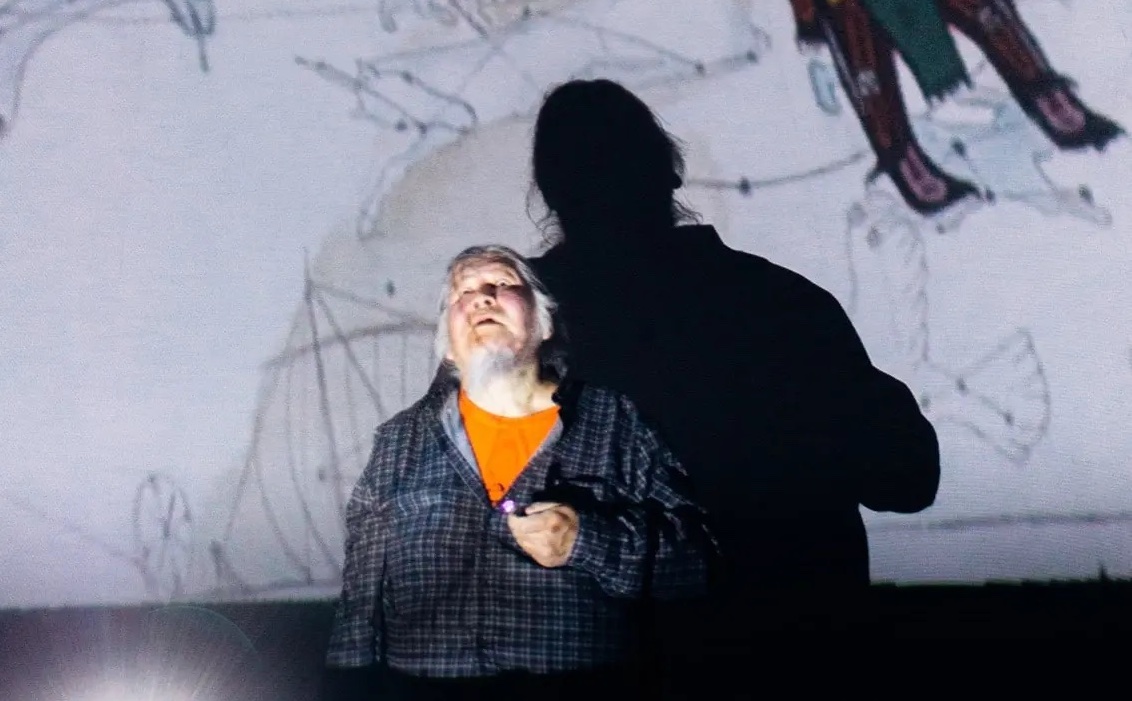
(483, 266)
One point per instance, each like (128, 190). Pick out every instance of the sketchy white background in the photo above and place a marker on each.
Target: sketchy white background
(188, 189)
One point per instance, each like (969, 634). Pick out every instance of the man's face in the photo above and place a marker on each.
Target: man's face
(490, 313)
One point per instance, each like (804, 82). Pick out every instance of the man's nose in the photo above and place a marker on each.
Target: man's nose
(486, 295)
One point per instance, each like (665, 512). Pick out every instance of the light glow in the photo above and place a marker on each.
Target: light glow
(137, 691)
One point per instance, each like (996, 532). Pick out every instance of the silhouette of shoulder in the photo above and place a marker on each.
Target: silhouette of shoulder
(785, 285)
(775, 291)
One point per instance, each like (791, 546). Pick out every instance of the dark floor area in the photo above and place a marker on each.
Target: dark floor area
(273, 651)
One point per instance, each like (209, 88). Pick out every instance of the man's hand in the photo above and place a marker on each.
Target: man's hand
(546, 533)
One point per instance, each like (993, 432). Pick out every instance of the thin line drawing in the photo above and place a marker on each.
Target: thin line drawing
(1003, 396)
(164, 536)
(433, 97)
(363, 361)
(745, 186)
(163, 529)
(26, 24)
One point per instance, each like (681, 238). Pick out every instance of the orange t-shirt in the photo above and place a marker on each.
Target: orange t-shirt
(503, 445)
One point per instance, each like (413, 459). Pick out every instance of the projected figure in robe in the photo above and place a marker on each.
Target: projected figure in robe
(864, 35)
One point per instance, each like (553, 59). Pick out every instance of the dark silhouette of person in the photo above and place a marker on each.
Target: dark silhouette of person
(753, 374)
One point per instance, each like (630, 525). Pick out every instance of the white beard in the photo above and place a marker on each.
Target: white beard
(487, 365)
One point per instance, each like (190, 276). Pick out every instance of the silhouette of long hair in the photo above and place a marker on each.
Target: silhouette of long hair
(603, 162)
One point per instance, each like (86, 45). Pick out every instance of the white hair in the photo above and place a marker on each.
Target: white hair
(544, 304)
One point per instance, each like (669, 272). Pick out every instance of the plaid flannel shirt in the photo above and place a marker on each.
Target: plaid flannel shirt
(435, 585)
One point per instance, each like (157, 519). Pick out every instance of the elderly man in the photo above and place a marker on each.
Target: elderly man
(509, 524)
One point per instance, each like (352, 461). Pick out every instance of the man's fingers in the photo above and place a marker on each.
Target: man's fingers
(524, 524)
(542, 548)
(530, 536)
(540, 506)
(541, 531)
(534, 522)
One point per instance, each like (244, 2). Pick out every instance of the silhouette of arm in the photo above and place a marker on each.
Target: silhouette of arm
(655, 541)
(889, 446)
